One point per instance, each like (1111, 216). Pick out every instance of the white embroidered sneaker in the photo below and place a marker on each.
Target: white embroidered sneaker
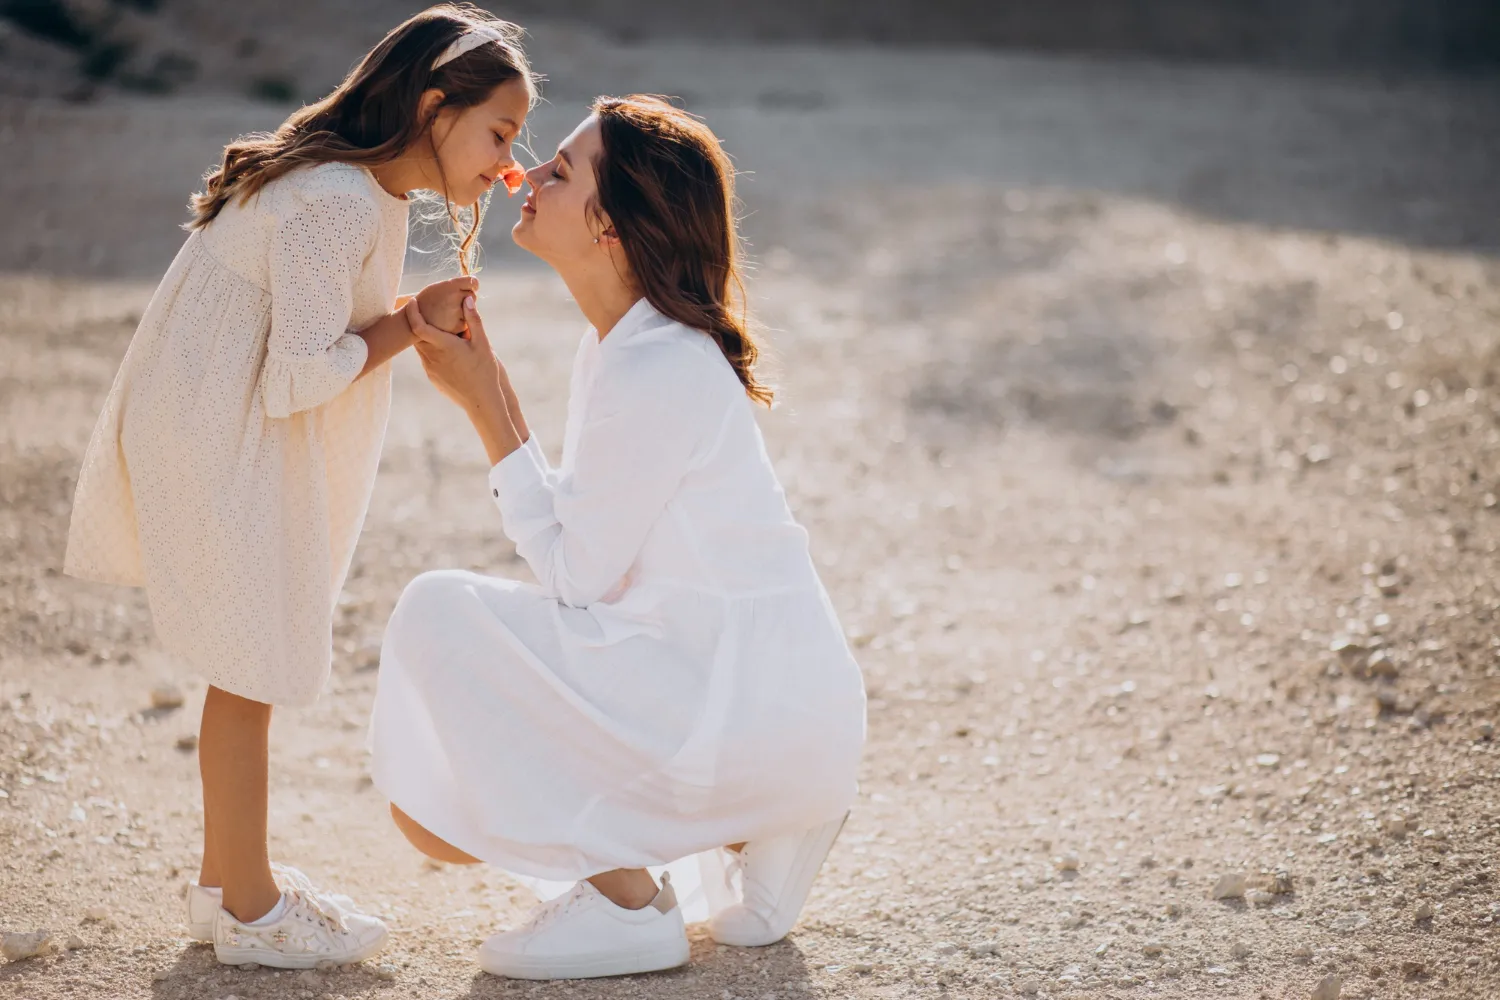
(582, 935)
(311, 931)
(774, 875)
(203, 904)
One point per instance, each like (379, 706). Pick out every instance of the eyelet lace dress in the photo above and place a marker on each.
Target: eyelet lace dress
(233, 462)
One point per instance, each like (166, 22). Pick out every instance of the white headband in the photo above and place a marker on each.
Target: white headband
(468, 42)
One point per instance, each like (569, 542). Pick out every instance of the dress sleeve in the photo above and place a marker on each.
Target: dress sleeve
(581, 531)
(316, 257)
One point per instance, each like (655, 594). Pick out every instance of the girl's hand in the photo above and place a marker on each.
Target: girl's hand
(464, 370)
(441, 303)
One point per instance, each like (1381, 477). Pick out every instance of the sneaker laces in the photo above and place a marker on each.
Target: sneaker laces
(315, 908)
(549, 910)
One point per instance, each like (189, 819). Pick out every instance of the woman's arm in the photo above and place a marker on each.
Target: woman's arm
(467, 372)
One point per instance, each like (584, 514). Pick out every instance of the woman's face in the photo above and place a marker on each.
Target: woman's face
(474, 144)
(558, 221)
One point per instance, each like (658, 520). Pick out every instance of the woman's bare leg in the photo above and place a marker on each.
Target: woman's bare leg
(233, 761)
(427, 842)
(631, 888)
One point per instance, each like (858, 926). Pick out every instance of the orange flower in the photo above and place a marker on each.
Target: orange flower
(512, 177)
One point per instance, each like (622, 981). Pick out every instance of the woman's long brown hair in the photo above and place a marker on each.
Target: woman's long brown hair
(371, 118)
(667, 188)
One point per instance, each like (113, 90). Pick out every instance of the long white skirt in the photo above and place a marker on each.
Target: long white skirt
(559, 742)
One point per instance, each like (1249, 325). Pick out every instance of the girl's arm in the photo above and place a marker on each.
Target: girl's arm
(385, 338)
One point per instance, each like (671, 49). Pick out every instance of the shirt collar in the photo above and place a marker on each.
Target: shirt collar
(636, 318)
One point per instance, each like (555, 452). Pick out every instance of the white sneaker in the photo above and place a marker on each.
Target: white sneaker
(582, 935)
(311, 932)
(203, 904)
(775, 875)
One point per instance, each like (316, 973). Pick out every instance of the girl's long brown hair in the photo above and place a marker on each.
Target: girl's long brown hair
(667, 188)
(371, 118)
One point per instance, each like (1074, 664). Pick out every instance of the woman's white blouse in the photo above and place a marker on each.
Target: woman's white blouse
(677, 681)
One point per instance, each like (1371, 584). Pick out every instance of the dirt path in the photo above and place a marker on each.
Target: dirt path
(1146, 425)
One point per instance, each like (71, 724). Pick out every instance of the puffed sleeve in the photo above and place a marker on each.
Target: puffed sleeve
(316, 257)
(580, 531)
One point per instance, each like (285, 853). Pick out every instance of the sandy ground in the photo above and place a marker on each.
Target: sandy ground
(1145, 421)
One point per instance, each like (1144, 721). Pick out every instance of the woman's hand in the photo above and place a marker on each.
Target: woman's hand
(467, 372)
(464, 370)
(442, 302)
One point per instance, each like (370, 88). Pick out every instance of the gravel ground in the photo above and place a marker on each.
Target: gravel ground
(1145, 421)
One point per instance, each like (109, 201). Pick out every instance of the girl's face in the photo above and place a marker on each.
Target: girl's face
(558, 222)
(474, 144)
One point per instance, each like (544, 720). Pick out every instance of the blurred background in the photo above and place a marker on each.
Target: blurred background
(1139, 387)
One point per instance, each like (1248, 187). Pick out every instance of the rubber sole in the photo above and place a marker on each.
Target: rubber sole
(810, 857)
(276, 960)
(668, 955)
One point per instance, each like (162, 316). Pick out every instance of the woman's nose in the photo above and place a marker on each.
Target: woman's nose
(535, 174)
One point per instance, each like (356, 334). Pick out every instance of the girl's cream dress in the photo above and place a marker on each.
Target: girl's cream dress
(232, 466)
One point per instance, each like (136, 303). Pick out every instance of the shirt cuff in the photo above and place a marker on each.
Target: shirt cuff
(517, 475)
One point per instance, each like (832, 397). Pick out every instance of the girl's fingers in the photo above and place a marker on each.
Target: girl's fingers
(420, 328)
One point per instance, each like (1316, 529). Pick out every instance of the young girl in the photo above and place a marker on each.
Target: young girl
(677, 682)
(232, 466)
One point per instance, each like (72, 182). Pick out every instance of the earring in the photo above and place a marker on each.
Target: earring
(596, 239)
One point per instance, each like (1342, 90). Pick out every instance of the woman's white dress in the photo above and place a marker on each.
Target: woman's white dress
(677, 680)
(232, 465)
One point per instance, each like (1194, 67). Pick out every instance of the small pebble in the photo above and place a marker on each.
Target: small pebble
(1029, 988)
(1411, 969)
(1424, 911)
(1230, 885)
(96, 914)
(1259, 897)
(187, 741)
(1302, 953)
(385, 972)
(1171, 972)
(862, 968)
(75, 942)
(1328, 988)
(1067, 863)
(166, 696)
(1151, 949)
(161, 975)
(1239, 950)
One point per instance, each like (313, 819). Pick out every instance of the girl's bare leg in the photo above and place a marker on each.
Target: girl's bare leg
(429, 843)
(233, 760)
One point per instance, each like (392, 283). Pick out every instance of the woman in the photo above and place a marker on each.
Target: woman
(678, 682)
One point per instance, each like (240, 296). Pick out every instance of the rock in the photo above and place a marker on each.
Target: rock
(187, 741)
(1239, 951)
(983, 948)
(310, 977)
(1066, 863)
(863, 968)
(1268, 760)
(1173, 909)
(1328, 987)
(1424, 911)
(1259, 897)
(165, 697)
(1172, 875)
(1386, 700)
(946, 948)
(1152, 949)
(1281, 882)
(1302, 953)
(1396, 827)
(1171, 972)
(96, 915)
(385, 972)
(1029, 987)
(161, 975)
(1381, 664)
(17, 946)
(250, 967)
(326, 966)
(1411, 969)
(1348, 923)
(75, 943)
(1230, 885)
(1486, 730)
(1390, 585)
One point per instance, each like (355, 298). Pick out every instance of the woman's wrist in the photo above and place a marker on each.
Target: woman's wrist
(491, 419)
